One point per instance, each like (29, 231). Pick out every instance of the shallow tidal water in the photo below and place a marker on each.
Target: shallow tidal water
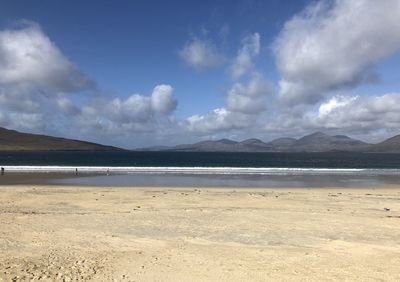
(201, 180)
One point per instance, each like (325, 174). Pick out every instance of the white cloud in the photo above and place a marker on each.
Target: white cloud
(243, 62)
(35, 79)
(217, 120)
(371, 118)
(201, 54)
(244, 104)
(66, 105)
(334, 103)
(358, 113)
(250, 98)
(162, 100)
(28, 57)
(137, 113)
(334, 44)
(136, 108)
(28, 122)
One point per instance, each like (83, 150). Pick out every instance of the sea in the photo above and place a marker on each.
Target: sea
(201, 169)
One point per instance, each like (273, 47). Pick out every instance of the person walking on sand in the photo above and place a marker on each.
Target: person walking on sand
(2, 170)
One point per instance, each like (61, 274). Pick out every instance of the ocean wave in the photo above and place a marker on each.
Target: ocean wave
(203, 170)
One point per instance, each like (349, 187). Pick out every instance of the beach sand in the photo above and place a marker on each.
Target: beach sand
(162, 234)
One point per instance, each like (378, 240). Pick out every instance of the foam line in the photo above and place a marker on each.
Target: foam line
(201, 170)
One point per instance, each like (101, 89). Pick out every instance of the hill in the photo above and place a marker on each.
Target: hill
(207, 146)
(14, 140)
(391, 145)
(321, 142)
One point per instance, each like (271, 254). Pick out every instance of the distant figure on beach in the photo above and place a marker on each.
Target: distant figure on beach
(76, 171)
(108, 171)
(2, 170)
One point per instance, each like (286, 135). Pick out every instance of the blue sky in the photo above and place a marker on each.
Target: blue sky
(138, 73)
(128, 46)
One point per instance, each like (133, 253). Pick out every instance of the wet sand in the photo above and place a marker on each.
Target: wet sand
(162, 234)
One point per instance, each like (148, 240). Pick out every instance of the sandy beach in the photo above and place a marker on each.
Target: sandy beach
(54, 233)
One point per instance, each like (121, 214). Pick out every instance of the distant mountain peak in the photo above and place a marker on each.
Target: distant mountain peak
(226, 141)
(342, 136)
(251, 141)
(391, 145)
(317, 134)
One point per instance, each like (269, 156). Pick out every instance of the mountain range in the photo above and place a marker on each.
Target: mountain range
(316, 142)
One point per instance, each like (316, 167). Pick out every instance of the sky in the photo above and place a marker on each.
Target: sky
(147, 73)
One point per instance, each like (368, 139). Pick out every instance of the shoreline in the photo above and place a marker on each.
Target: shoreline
(197, 170)
(280, 179)
(197, 234)
(223, 189)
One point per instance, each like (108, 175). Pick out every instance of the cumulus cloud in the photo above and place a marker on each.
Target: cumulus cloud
(137, 112)
(334, 44)
(358, 113)
(244, 104)
(337, 102)
(244, 101)
(35, 79)
(135, 108)
(28, 57)
(371, 118)
(217, 120)
(201, 54)
(162, 100)
(66, 105)
(243, 62)
(250, 98)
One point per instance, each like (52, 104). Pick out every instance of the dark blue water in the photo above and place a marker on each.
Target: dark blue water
(201, 159)
(375, 178)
